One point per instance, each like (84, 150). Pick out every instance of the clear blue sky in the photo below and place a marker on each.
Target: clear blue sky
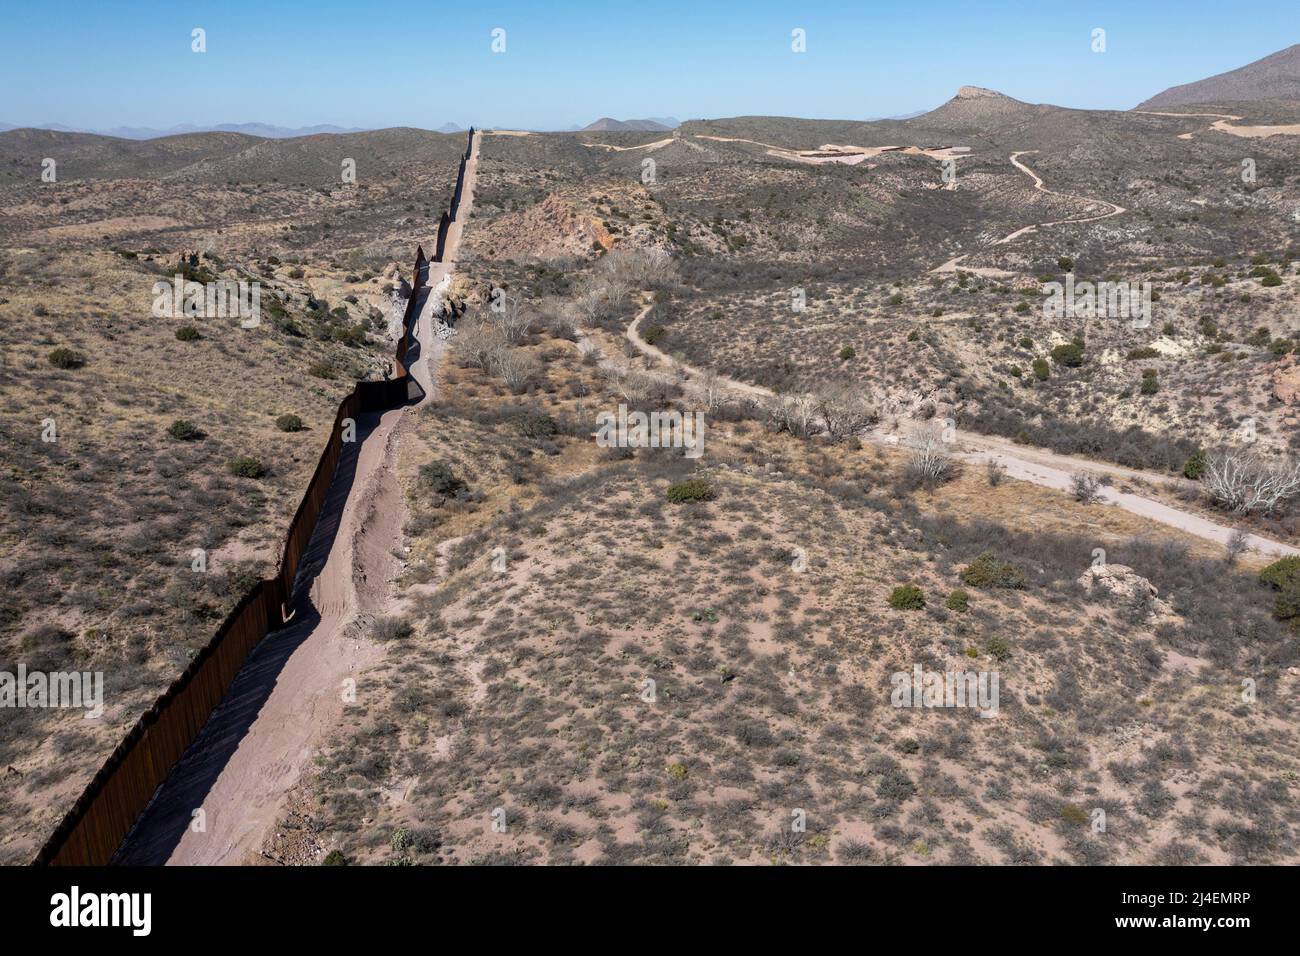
(374, 63)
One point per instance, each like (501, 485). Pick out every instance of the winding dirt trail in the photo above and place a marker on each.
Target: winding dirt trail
(290, 694)
(1115, 210)
(1038, 466)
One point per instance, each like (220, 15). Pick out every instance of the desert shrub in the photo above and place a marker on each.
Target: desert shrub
(693, 489)
(245, 466)
(848, 352)
(64, 357)
(930, 463)
(1086, 488)
(534, 423)
(988, 571)
(998, 648)
(1284, 577)
(187, 333)
(907, 597)
(517, 368)
(391, 628)
(1070, 355)
(289, 423)
(440, 479)
(1145, 352)
(321, 370)
(1073, 813)
(1041, 369)
(1282, 573)
(653, 334)
(184, 430)
(1037, 425)
(334, 858)
(854, 851)
(958, 600)
(1150, 384)
(1195, 464)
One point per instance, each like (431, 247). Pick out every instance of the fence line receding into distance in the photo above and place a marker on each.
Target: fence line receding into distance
(108, 808)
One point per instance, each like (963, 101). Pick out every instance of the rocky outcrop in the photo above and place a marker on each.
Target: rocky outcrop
(1120, 585)
(1286, 381)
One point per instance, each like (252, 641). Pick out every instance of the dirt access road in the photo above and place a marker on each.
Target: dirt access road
(290, 694)
(1114, 210)
(1035, 465)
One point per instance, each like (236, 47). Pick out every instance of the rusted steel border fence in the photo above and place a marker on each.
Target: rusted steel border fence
(103, 815)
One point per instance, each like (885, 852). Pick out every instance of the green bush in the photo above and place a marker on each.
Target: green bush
(848, 352)
(1070, 355)
(998, 648)
(1283, 573)
(246, 466)
(987, 571)
(1041, 370)
(907, 597)
(693, 489)
(958, 600)
(334, 858)
(289, 423)
(184, 430)
(1145, 352)
(654, 334)
(1150, 384)
(187, 333)
(1195, 465)
(321, 370)
(64, 357)
(440, 479)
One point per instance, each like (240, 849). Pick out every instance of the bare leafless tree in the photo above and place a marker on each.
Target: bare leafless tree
(638, 268)
(478, 344)
(512, 318)
(517, 368)
(796, 414)
(1245, 483)
(1238, 543)
(712, 390)
(844, 411)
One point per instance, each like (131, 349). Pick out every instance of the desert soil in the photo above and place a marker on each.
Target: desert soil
(355, 584)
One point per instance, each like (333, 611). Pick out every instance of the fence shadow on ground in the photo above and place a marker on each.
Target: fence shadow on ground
(216, 688)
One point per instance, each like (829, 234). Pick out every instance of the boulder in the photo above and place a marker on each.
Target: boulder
(1120, 585)
(1286, 381)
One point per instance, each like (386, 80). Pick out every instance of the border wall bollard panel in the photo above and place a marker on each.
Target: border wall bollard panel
(100, 819)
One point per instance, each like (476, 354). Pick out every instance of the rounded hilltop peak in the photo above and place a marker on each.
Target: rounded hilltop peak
(975, 106)
(976, 92)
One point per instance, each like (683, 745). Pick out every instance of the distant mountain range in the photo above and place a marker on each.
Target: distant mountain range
(263, 130)
(1275, 77)
(654, 124)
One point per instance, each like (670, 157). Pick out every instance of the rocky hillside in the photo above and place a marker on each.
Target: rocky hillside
(1275, 77)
